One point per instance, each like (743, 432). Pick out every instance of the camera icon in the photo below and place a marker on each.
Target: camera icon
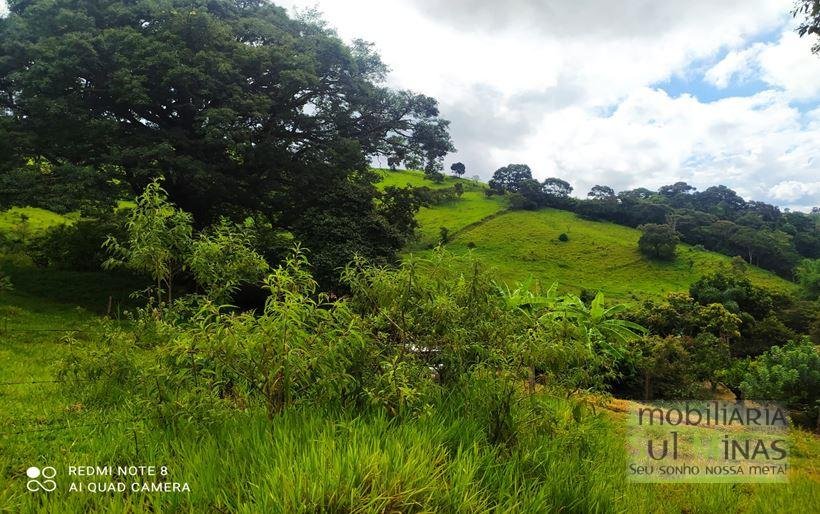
(47, 475)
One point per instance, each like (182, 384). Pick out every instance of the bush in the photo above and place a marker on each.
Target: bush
(791, 374)
(563, 237)
(77, 246)
(443, 235)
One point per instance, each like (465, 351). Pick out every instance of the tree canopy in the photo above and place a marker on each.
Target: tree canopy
(241, 109)
(658, 241)
(510, 177)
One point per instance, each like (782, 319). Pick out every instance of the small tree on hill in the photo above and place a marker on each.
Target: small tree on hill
(556, 192)
(458, 169)
(658, 241)
(808, 276)
(159, 237)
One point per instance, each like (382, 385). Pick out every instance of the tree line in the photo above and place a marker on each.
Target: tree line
(716, 218)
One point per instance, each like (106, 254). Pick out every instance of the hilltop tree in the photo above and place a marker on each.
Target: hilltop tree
(658, 241)
(719, 200)
(602, 193)
(241, 109)
(556, 192)
(529, 196)
(678, 188)
(510, 177)
(458, 169)
(556, 187)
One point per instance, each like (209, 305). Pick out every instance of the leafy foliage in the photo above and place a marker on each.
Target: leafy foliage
(809, 10)
(75, 246)
(223, 257)
(789, 373)
(159, 237)
(161, 243)
(808, 276)
(243, 111)
(658, 241)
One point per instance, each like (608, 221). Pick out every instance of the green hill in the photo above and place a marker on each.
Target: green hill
(597, 256)
(519, 244)
(473, 206)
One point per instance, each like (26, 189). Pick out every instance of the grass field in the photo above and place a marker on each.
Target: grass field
(37, 220)
(598, 256)
(410, 178)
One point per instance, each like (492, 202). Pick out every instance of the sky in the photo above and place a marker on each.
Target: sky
(624, 93)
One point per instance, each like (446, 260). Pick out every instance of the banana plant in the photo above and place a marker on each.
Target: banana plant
(523, 298)
(596, 324)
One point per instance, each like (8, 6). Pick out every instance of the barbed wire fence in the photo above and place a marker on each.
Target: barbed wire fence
(67, 425)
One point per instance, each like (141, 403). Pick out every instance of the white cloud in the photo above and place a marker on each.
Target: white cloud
(750, 144)
(789, 64)
(4, 9)
(737, 66)
(792, 190)
(786, 64)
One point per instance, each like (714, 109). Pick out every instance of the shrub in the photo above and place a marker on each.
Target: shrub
(222, 258)
(5, 283)
(77, 246)
(788, 373)
(443, 235)
(563, 237)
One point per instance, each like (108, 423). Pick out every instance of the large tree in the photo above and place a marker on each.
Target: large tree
(658, 241)
(510, 177)
(241, 109)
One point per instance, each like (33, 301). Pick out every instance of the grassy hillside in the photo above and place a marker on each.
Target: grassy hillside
(598, 256)
(405, 178)
(472, 207)
(36, 219)
(437, 462)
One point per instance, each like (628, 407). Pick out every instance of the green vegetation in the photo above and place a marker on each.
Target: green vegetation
(280, 328)
(339, 433)
(412, 178)
(598, 256)
(236, 104)
(35, 219)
